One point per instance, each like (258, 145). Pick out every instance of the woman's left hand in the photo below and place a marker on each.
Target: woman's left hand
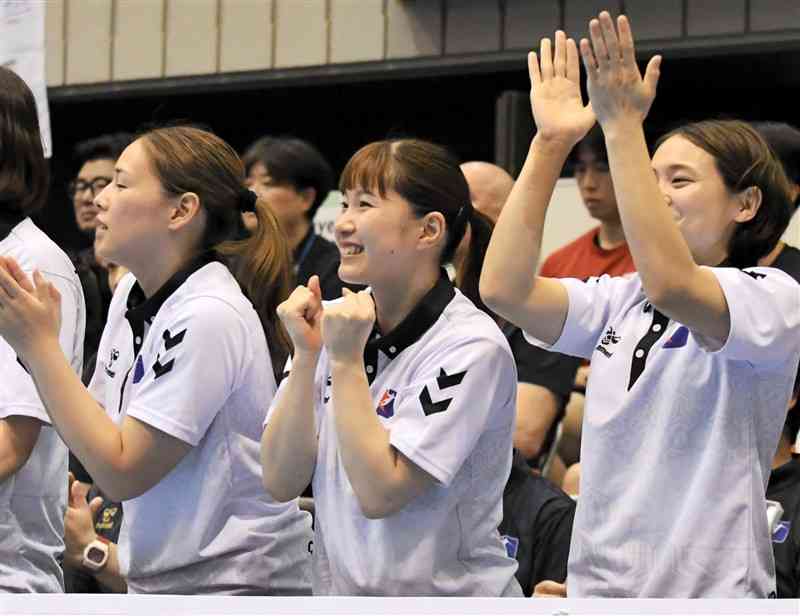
(347, 324)
(30, 312)
(616, 88)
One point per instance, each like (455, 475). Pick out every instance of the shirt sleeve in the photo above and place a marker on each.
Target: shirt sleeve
(764, 308)
(591, 305)
(202, 354)
(459, 393)
(18, 395)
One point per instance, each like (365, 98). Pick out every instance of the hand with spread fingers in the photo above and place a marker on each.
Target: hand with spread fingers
(301, 315)
(347, 324)
(556, 101)
(617, 90)
(30, 311)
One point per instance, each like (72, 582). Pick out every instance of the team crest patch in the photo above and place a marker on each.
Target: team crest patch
(511, 544)
(386, 404)
(678, 339)
(781, 532)
(138, 371)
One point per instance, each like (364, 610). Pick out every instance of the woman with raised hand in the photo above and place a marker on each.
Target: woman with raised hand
(171, 421)
(692, 357)
(33, 460)
(399, 402)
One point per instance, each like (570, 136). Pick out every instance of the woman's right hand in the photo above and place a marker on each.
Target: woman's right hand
(301, 314)
(556, 101)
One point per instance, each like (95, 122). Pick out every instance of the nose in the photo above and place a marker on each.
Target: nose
(344, 225)
(101, 201)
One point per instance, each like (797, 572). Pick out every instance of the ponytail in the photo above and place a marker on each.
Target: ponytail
(262, 266)
(468, 276)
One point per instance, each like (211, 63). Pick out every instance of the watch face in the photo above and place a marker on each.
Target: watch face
(95, 555)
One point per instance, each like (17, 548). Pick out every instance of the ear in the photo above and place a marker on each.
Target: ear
(185, 209)
(307, 196)
(749, 202)
(432, 231)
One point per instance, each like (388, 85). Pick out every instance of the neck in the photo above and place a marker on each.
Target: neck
(610, 235)
(296, 232)
(770, 258)
(394, 301)
(784, 453)
(152, 276)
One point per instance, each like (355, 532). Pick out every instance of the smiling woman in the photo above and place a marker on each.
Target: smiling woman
(399, 404)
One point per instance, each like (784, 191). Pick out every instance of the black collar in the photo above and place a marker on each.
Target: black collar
(410, 329)
(142, 309)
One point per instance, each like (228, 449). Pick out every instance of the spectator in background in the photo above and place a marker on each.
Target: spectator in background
(294, 179)
(602, 250)
(544, 378)
(784, 487)
(33, 459)
(785, 142)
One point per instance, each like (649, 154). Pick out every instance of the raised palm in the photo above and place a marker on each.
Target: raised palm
(556, 101)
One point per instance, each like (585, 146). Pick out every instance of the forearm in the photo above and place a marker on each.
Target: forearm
(660, 253)
(368, 457)
(513, 254)
(82, 423)
(289, 442)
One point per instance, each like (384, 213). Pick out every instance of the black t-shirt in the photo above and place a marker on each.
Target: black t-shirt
(789, 261)
(536, 526)
(784, 487)
(316, 255)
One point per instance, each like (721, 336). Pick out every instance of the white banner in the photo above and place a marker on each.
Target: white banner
(22, 51)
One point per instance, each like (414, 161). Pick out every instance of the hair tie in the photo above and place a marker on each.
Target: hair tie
(247, 200)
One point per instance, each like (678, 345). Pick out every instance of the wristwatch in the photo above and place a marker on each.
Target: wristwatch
(95, 555)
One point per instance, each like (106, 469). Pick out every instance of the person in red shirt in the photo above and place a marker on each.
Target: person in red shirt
(602, 250)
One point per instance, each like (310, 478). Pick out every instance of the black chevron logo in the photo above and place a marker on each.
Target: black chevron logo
(173, 341)
(756, 275)
(429, 407)
(449, 380)
(161, 369)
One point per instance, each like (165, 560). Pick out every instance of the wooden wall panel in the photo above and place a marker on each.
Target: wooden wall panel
(358, 30)
(246, 35)
(472, 26)
(54, 42)
(138, 39)
(577, 14)
(414, 28)
(88, 50)
(655, 20)
(528, 22)
(710, 17)
(192, 37)
(301, 33)
(774, 14)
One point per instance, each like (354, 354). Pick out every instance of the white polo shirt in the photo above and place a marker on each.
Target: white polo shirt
(444, 385)
(192, 361)
(33, 500)
(677, 440)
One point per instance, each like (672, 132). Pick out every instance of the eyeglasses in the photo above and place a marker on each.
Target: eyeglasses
(95, 185)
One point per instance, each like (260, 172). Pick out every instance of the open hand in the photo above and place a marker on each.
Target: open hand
(556, 102)
(30, 312)
(617, 90)
(301, 314)
(347, 324)
(79, 521)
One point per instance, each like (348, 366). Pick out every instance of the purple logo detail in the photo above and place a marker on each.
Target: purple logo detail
(138, 371)
(512, 545)
(386, 405)
(678, 339)
(781, 532)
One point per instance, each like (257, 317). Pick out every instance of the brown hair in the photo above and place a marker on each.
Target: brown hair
(429, 178)
(743, 159)
(24, 174)
(188, 159)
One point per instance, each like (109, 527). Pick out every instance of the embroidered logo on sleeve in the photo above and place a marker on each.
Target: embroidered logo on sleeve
(444, 381)
(170, 342)
(678, 339)
(781, 532)
(511, 544)
(326, 396)
(609, 338)
(386, 404)
(112, 357)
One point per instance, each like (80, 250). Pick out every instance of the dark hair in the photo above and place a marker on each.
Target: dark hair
(188, 159)
(784, 140)
(109, 146)
(594, 142)
(295, 162)
(429, 178)
(743, 159)
(24, 173)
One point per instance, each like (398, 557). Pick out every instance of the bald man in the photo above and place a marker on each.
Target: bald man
(489, 187)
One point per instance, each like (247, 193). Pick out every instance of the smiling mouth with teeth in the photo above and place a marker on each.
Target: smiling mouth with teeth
(352, 250)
